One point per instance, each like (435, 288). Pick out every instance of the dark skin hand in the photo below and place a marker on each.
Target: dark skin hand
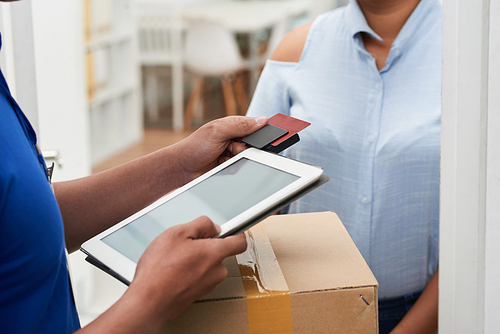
(179, 266)
(92, 204)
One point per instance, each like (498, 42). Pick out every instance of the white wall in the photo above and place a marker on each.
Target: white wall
(492, 247)
(18, 59)
(62, 105)
(470, 179)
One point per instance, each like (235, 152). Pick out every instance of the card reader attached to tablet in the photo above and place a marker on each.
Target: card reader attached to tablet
(280, 132)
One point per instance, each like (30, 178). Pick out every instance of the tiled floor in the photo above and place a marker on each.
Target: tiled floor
(154, 139)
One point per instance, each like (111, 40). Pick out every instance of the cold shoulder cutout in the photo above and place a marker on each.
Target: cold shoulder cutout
(291, 46)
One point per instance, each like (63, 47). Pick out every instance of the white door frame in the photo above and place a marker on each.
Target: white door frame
(470, 168)
(18, 59)
(492, 248)
(60, 78)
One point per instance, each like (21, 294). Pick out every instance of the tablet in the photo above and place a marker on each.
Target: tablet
(235, 195)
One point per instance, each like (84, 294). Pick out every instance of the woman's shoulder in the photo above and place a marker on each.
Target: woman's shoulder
(291, 47)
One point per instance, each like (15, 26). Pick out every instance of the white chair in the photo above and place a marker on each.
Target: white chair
(159, 29)
(278, 32)
(211, 51)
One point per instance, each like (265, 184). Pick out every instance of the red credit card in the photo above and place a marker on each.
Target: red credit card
(292, 125)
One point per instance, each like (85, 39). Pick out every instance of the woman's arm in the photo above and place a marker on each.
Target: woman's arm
(90, 205)
(423, 316)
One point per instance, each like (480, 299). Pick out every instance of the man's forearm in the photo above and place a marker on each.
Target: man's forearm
(90, 205)
(423, 316)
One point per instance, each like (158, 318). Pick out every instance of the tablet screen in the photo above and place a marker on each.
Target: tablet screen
(221, 197)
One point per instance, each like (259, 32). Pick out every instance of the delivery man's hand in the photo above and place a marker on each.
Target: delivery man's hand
(211, 144)
(94, 203)
(184, 263)
(179, 266)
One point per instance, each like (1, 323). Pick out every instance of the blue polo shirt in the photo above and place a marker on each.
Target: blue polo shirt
(35, 291)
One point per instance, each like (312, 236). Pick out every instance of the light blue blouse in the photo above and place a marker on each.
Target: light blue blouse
(375, 133)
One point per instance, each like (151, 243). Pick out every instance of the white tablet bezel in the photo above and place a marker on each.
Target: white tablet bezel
(125, 267)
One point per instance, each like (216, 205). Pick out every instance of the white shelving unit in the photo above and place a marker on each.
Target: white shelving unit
(113, 77)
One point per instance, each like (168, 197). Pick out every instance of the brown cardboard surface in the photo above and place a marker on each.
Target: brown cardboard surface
(220, 316)
(315, 252)
(324, 273)
(335, 311)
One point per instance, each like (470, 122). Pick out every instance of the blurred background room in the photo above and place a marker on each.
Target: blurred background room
(106, 81)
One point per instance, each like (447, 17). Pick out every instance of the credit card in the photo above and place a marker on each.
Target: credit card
(280, 132)
(290, 124)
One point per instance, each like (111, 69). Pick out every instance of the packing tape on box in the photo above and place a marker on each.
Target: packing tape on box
(268, 298)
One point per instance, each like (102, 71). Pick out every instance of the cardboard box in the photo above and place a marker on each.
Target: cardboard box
(300, 274)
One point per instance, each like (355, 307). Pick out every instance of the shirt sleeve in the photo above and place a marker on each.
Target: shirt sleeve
(272, 94)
